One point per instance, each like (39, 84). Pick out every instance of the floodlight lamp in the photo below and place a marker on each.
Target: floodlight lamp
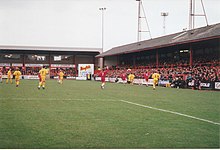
(164, 14)
(103, 8)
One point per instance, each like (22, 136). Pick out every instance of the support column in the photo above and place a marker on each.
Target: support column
(23, 60)
(49, 65)
(74, 59)
(103, 62)
(118, 60)
(191, 55)
(74, 63)
(134, 61)
(49, 60)
(157, 59)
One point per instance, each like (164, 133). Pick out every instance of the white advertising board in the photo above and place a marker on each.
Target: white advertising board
(17, 65)
(206, 85)
(31, 77)
(217, 85)
(84, 69)
(62, 66)
(33, 65)
(80, 78)
(136, 81)
(5, 64)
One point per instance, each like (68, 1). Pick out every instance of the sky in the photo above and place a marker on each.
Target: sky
(78, 23)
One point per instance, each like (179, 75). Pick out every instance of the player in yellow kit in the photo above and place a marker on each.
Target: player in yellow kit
(156, 77)
(17, 75)
(61, 74)
(43, 72)
(9, 73)
(131, 77)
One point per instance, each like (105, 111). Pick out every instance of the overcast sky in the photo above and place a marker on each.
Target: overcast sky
(77, 23)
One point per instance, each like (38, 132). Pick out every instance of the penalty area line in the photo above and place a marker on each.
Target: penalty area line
(172, 112)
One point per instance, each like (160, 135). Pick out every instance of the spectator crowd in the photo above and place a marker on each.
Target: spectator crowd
(179, 74)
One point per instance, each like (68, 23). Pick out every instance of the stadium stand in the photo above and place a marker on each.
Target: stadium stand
(181, 58)
(30, 59)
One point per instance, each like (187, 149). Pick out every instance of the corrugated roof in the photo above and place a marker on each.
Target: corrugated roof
(44, 48)
(199, 34)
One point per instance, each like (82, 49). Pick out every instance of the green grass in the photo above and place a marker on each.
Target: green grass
(78, 114)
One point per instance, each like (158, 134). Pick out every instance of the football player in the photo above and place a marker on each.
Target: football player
(146, 77)
(43, 72)
(9, 76)
(156, 77)
(102, 74)
(17, 75)
(0, 76)
(61, 74)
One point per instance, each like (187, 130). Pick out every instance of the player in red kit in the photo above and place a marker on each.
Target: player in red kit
(102, 74)
(39, 76)
(123, 77)
(0, 76)
(146, 77)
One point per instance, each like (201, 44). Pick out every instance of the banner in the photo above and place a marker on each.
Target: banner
(70, 78)
(31, 77)
(63, 66)
(33, 65)
(84, 69)
(136, 81)
(17, 65)
(36, 65)
(80, 78)
(163, 82)
(5, 76)
(5, 64)
(205, 85)
(217, 85)
(191, 83)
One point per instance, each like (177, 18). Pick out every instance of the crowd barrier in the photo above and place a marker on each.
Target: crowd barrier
(165, 83)
(203, 85)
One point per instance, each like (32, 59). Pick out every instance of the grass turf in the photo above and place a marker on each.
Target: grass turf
(79, 114)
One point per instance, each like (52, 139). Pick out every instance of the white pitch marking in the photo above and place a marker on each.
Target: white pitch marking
(56, 99)
(172, 112)
(168, 111)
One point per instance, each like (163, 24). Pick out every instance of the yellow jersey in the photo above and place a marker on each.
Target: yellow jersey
(156, 76)
(9, 73)
(131, 77)
(61, 74)
(43, 72)
(17, 74)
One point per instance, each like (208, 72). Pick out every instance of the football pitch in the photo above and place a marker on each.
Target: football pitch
(79, 114)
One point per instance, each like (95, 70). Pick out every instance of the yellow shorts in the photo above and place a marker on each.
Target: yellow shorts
(155, 81)
(43, 78)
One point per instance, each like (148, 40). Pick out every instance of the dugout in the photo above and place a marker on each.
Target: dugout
(30, 59)
(186, 48)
